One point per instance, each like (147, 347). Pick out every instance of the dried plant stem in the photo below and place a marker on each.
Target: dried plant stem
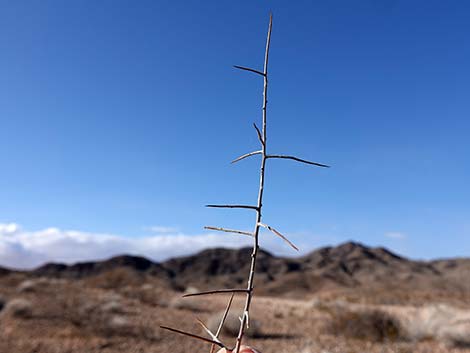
(251, 277)
(248, 291)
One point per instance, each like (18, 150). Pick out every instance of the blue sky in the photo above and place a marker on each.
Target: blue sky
(120, 116)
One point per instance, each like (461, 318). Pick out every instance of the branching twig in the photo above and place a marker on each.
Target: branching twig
(250, 284)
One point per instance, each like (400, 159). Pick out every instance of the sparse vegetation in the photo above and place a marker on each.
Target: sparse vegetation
(26, 286)
(105, 317)
(116, 279)
(370, 325)
(19, 308)
(78, 318)
(442, 323)
(113, 307)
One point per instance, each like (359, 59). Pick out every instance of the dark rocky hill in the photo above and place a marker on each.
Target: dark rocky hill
(91, 268)
(349, 265)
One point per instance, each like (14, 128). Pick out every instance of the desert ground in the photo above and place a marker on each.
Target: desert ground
(119, 305)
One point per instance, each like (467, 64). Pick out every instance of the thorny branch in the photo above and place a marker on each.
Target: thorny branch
(251, 276)
(298, 160)
(213, 336)
(279, 235)
(234, 206)
(216, 291)
(192, 335)
(260, 138)
(244, 319)
(249, 69)
(229, 230)
(246, 156)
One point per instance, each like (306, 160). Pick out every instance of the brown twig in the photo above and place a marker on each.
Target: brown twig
(217, 291)
(193, 336)
(234, 206)
(249, 69)
(260, 138)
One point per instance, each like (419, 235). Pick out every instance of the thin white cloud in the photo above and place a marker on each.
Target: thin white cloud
(395, 235)
(23, 249)
(9, 228)
(161, 229)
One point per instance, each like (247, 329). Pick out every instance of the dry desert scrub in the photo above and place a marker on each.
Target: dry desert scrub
(19, 308)
(369, 325)
(440, 322)
(437, 322)
(116, 279)
(27, 286)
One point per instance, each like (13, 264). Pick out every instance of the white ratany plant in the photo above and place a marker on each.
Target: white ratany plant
(213, 337)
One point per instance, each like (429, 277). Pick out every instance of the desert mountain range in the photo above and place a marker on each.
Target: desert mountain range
(349, 265)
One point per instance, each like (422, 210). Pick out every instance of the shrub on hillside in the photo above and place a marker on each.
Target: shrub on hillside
(116, 279)
(440, 322)
(26, 286)
(104, 318)
(149, 294)
(370, 325)
(456, 335)
(19, 308)
(113, 306)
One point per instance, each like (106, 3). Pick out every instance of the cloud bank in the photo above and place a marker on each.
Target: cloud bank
(25, 249)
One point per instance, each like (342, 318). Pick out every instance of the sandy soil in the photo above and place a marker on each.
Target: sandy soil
(84, 316)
